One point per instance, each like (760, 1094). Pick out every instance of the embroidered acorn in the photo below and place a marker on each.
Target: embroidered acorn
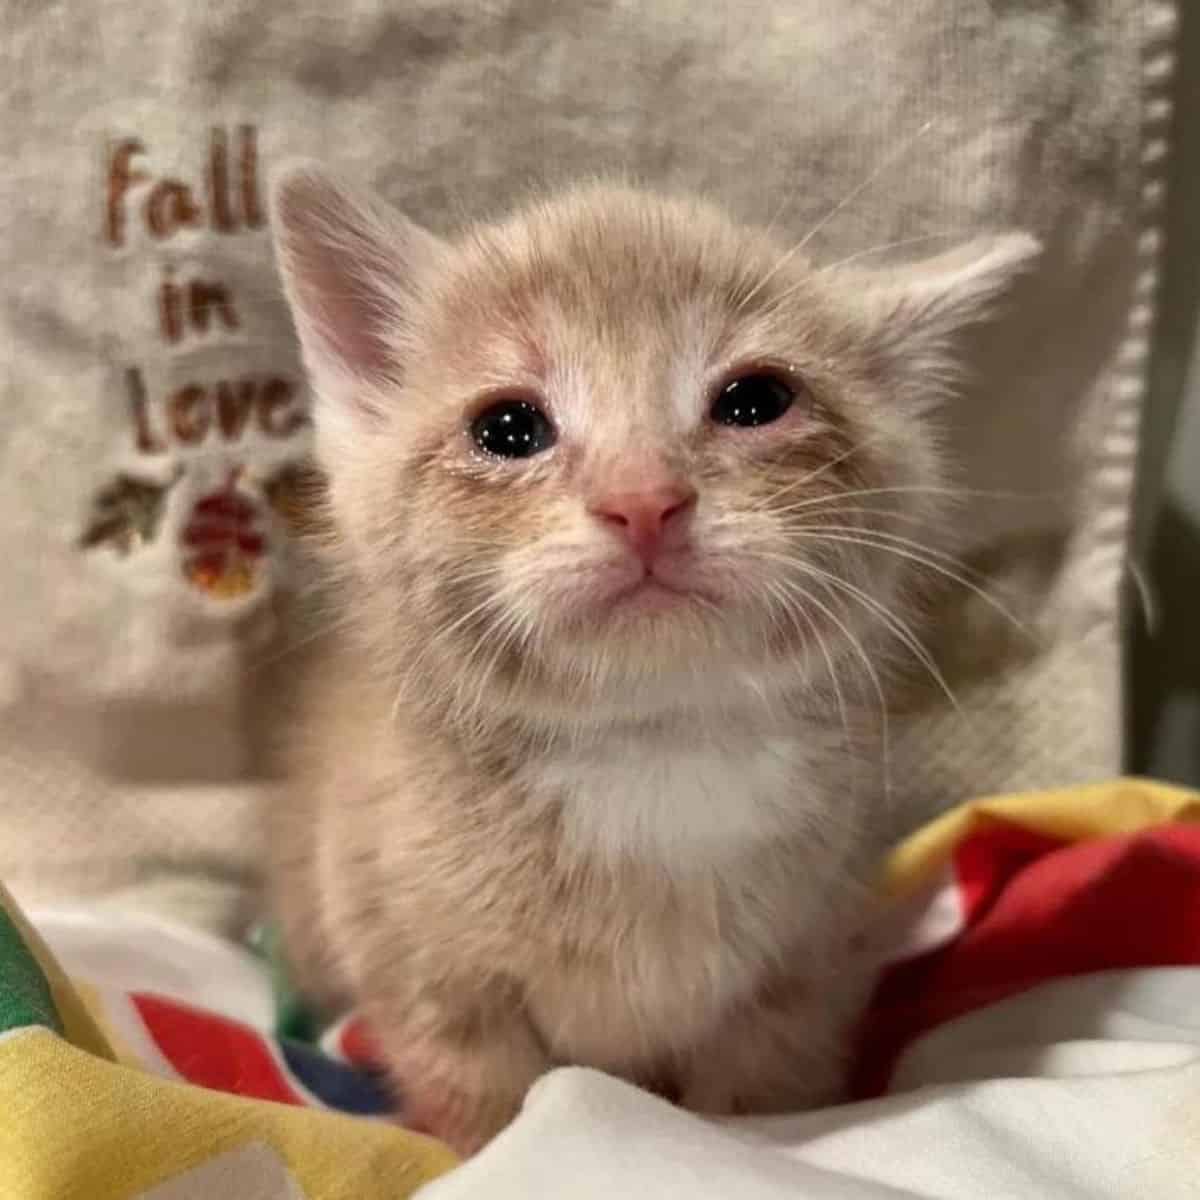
(223, 543)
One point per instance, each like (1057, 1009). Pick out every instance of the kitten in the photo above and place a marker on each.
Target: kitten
(590, 772)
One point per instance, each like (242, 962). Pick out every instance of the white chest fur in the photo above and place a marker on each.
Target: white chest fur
(684, 805)
(688, 811)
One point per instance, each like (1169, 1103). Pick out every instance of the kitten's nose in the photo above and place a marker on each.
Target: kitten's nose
(646, 518)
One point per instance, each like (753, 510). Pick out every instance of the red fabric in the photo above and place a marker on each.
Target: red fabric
(1038, 910)
(356, 1045)
(987, 860)
(214, 1052)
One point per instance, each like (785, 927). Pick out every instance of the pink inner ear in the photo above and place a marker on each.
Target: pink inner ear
(337, 262)
(350, 321)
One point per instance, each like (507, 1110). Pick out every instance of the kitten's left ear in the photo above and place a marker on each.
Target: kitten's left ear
(919, 311)
(350, 265)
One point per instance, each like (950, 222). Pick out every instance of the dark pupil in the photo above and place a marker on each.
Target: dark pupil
(512, 429)
(752, 400)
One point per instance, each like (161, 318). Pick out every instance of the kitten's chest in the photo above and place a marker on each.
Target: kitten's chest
(688, 879)
(676, 805)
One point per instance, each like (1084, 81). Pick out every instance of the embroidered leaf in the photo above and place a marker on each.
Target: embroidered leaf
(125, 515)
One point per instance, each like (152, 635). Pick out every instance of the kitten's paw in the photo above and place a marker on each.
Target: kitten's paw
(466, 1122)
(768, 1060)
(711, 1096)
(462, 1093)
(722, 1095)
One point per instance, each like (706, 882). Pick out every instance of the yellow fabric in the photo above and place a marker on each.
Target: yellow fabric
(1098, 810)
(77, 1127)
(75, 1124)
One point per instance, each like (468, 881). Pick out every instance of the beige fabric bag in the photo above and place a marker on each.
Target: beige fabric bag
(151, 405)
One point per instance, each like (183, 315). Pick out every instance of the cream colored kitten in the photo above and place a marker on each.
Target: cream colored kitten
(590, 772)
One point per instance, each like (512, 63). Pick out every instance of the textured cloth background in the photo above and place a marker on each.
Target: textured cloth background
(151, 401)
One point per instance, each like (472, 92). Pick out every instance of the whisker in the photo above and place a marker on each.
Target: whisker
(897, 245)
(915, 489)
(886, 535)
(337, 624)
(780, 208)
(852, 510)
(816, 473)
(898, 627)
(884, 165)
(859, 649)
(824, 650)
(438, 640)
(835, 683)
(517, 631)
(781, 298)
(888, 161)
(465, 708)
(954, 492)
(818, 533)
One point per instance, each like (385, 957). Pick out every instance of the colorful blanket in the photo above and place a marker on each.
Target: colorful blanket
(109, 1095)
(110, 1089)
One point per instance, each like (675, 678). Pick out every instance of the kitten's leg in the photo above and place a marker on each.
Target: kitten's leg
(788, 1050)
(462, 1069)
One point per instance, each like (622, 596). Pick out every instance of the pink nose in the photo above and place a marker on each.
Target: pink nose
(646, 519)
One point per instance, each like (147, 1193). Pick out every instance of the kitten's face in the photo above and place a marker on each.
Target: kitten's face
(616, 454)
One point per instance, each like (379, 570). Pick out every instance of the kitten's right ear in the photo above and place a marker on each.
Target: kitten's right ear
(348, 263)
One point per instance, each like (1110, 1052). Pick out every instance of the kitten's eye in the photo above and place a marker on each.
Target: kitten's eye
(756, 399)
(513, 429)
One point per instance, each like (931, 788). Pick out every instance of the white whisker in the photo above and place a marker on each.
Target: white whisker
(897, 245)
(327, 628)
(882, 514)
(819, 533)
(888, 161)
(815, 474)
(859, 649)
(824, 651)
(900, 630)
(886, 535)
(916, 489)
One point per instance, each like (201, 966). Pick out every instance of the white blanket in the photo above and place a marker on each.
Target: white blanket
(1094, 1095)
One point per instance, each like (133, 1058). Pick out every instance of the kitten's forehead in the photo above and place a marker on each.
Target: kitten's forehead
(621, 252)
(614, 302)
